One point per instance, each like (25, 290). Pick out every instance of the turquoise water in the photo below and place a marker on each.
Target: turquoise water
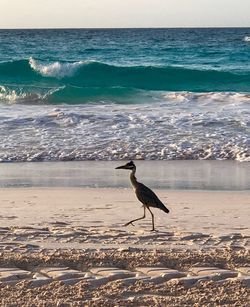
(124, 94)
(79, 66)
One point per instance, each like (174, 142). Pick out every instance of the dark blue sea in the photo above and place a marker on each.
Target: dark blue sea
(109, 94)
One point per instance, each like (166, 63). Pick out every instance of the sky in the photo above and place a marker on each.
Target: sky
(123, 13)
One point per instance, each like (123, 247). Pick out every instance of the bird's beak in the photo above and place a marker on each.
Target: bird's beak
(121, 167)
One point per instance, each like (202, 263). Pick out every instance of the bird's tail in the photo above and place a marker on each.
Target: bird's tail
(164, 208)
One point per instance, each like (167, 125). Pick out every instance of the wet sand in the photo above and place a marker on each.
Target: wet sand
(172, 175)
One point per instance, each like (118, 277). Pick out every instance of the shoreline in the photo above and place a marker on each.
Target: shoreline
(71, 115)
(160, 174)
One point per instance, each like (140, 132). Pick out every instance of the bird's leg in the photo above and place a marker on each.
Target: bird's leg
(140, 218)
(153, 223)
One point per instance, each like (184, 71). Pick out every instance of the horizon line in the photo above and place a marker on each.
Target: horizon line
(127, 28)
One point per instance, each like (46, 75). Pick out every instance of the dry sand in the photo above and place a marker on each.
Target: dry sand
(173, 292)
(80, 218)
(83, 228)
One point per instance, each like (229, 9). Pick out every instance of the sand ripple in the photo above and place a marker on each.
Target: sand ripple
(68, 237)
(70, 286)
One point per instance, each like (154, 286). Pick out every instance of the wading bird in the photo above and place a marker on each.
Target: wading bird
(146, 196)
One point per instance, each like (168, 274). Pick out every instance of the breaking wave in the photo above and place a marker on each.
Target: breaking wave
(90, 81)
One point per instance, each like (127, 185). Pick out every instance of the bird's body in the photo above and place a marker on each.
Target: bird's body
(144, 194)
(149, 198)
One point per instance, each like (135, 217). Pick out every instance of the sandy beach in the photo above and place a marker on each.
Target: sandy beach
(53, 240)
(74, 217)
(98, 95)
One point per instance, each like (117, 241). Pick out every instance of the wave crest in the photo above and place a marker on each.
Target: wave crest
(56, 69)
(83, 79)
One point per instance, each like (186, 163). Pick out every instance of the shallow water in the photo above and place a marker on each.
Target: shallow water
(190, 175)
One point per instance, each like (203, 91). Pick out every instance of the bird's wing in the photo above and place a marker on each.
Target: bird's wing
(149, 198)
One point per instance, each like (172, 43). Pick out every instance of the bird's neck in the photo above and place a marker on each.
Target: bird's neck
(133, 178)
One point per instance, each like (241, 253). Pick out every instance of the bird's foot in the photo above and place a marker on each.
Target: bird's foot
(129, 224)
(153, 229)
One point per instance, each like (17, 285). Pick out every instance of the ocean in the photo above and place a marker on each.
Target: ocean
(111, 94)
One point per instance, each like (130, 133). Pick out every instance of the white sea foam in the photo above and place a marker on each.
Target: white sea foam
(246, 39)
(12, 96)
(8, 95)
(181, 126)
(56, 69)
(220, 97)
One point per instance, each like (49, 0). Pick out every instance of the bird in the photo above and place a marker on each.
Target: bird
(144, 194)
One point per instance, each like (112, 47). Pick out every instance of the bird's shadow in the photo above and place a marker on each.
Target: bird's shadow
(150, 231)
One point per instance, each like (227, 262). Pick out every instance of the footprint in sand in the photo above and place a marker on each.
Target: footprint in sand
(10, 217)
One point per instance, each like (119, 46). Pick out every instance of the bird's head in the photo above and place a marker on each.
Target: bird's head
(130, 166)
